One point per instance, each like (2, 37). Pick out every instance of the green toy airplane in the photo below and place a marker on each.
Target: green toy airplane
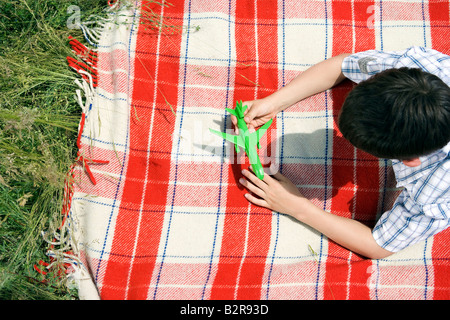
(245, 139)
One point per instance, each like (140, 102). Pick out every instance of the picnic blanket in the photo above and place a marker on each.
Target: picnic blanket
(154, 209)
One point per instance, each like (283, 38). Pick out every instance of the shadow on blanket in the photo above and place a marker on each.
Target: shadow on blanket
(342, 181)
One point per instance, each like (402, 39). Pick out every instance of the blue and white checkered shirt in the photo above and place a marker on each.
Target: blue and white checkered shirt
(423, 207)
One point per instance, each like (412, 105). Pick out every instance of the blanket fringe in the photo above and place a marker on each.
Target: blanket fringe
(87, 68)
(63, 248)
(88, 85)
(63, 253)
(64, 262)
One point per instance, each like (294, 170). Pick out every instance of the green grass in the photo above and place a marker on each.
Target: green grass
(39, 117)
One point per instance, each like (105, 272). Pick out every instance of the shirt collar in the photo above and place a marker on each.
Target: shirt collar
(406, 175)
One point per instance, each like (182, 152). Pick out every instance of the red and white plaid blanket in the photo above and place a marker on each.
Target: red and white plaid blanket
(154, 209)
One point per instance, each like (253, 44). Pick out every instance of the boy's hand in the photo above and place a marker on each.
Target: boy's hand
(273, 192)
(258, 113)
(318, 78)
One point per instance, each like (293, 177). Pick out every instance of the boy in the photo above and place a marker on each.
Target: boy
(399, 110)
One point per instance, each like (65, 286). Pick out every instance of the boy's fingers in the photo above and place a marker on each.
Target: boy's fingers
(248, 113)
(252, 188)
(234, 122)
(248, 118)
(252, 125)
(256, 201)
(273, 173)
(254, 179)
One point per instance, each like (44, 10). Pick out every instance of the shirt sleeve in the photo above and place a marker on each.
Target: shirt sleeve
(362, 65)
(409, 222)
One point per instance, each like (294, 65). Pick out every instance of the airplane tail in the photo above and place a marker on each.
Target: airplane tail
(238, 111)
(232, 111)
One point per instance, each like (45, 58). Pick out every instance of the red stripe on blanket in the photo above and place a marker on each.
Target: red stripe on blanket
(246, 237)
(440, 25)
(140, 219)
(346, 273)
(441, 266)
(440, 39)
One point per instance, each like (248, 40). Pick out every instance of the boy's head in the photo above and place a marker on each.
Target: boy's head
(398, 114)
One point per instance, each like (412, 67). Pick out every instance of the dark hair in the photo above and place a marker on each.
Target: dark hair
(398, 114)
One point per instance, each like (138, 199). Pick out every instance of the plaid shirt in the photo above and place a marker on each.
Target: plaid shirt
(423, 207)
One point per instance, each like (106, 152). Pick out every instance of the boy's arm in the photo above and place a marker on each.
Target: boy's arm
(279, 194)
(315, 79)
(318, 78)
(347, 232)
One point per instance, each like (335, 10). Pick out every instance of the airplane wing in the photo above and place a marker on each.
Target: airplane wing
(255, 136)
(231, 111)
(237, 140)
(239, 111)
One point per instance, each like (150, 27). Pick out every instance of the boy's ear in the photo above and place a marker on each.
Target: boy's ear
(412, 162)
